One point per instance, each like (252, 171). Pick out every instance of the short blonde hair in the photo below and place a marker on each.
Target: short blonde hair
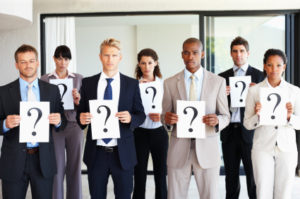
(111, 42)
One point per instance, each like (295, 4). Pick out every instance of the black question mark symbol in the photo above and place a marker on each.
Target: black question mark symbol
(154, 93)
(37, 119)
(107, 115)
(244, 86)
(277, 103)
(194, 115)
(65, 89)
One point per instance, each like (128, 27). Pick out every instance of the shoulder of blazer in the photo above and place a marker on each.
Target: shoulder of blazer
(226, 73)
(11, 84)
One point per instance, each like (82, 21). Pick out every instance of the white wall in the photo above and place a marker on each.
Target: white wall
(88, 42)
(167, 41)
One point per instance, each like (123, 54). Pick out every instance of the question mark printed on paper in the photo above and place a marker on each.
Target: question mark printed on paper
(108, 111)
(154, 93)
(277, 102)
(37, 119)
(244, 86)
(195, 113)
(64, 87)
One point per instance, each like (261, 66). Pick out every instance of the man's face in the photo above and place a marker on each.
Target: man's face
(239, 55)
(192, 55)
(110, 58)
(27, 64)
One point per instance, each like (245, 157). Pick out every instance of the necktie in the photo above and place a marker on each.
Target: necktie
(108, 96)
(193, 96)
(30, 97)
(30, 94)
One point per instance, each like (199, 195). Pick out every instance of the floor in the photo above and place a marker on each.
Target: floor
(192, 190)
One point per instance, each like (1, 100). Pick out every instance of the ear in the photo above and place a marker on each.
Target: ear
(202, 54)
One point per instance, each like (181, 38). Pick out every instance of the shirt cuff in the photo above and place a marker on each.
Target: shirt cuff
(57, 126)
(5, 129)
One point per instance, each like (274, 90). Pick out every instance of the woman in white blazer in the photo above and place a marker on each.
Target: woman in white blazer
(274, 151)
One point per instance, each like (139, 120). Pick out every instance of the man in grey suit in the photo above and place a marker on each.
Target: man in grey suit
(200, 156)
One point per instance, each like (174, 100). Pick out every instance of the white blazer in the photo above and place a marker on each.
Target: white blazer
(266, 137)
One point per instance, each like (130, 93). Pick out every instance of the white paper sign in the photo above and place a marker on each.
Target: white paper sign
(65, 87)
(151, 94)
(34, 125)
(239, 86)
(104, 123)
(273, 106)
(190, 115)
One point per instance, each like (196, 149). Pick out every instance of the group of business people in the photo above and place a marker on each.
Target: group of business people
(269, 158)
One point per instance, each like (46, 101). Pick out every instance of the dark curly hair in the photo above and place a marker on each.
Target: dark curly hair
(148, 52)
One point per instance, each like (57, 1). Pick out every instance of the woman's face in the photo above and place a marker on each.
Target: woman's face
(61, 63)
(147, 65)
(274, 67)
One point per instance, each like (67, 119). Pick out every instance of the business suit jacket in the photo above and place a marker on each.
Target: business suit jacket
(213, 93)
(256, 77)
(13, 153)
(129, 100)
(266, 137)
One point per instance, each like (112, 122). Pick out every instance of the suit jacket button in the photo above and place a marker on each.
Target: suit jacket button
(276, 127)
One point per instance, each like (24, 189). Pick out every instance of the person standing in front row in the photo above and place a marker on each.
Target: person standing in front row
(24, 163)
(68, 143)
(236, 139)
(111, 156)
(200, 156)
(274, 152)
(151, 136)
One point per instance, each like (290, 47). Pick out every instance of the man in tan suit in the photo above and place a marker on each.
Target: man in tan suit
(200, 156)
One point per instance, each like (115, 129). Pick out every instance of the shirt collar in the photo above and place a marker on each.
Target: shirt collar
(198, 74)
(116, 77)
(24, 84)
(243, 67)
(282, 82)
(70, 74)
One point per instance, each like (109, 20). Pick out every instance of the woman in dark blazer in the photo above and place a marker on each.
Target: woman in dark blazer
(150, 137)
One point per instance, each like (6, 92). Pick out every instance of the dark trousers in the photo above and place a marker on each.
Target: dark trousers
(156, 142)
(108, 163)
(235, 150)
(40, 187)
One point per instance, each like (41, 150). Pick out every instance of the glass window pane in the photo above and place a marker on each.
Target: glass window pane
(262, 33)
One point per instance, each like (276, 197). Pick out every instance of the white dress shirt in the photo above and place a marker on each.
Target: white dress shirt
(148, 123)
(236, 112)
(198, 80)
(115, 84)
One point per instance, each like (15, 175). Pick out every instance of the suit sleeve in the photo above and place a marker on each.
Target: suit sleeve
(222, 107)
(251, 120)
(83, 106)
(137, 114)
(295, 117)
(60, 109)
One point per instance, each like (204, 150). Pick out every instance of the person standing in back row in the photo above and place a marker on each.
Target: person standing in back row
(236, 139)
(151, 136)
(68, 143)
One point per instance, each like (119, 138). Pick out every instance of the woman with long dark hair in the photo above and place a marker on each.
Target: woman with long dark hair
(150, 137)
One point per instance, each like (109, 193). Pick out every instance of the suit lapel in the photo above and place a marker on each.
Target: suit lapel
(123, 89)
(205, 85)
(181, 86)
(43, 92)
(15, 94)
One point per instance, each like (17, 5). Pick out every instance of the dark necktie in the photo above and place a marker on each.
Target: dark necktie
(108, 96)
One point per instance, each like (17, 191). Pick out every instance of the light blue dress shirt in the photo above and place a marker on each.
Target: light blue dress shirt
(198, 80)
(236, 112)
